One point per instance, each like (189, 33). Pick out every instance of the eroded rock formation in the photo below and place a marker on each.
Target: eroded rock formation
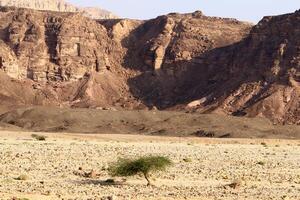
(259, 76)
(60, 6)
(51, 47)
(178, 61)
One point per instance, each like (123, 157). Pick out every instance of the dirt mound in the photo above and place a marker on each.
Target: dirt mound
(51, 119)
(15, 93)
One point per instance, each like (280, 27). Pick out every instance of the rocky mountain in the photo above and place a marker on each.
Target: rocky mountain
(97, 13)
(261, 76)
(174, 62)
(60, 6)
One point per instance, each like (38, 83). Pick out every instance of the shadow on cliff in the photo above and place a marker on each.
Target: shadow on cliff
(178, 82)
(138, 44)
(215, 75)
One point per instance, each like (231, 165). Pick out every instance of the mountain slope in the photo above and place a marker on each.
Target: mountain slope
(51, 47)
(173, 62)
(259, 76)
(58, 5)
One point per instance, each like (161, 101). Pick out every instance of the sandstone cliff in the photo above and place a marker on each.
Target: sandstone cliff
(259, 76)
(177, 61)
(60, 6)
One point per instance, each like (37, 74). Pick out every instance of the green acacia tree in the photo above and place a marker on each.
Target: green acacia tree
(144, 165)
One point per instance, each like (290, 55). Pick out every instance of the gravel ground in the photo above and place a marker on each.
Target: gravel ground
(57, 168)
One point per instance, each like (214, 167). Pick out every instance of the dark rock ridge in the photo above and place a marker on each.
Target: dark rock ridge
(178, 61)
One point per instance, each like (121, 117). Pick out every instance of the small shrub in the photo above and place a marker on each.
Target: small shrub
(14, 198)
(262, 163)
(203, 133)
(22, 177)
(235, 184)
(110, 181)
(143, 165)
(264, 144)
(188, 160)
(38, 137)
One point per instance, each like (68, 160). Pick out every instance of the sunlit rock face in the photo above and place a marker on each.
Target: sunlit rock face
(51, 46)
(60, 6)
(173, 62)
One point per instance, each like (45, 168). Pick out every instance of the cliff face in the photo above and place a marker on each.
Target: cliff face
(54, 5)
(266, 70)
(58, 52)
(60, 6)
(177, 61)
(170, 50)
(48, 46)
(259, 76)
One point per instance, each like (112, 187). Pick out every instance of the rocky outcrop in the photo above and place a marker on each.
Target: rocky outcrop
(260, 74)
(52, 46)
(60, 6)
(170, 49)
(97, 13)
(53, 5)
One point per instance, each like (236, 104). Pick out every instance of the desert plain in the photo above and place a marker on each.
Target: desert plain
(74, 166)
(218, 96)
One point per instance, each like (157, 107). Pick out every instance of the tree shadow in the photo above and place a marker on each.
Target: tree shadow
(107, 182)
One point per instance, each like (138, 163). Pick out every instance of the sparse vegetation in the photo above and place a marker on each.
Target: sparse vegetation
(262, 163)
(188, 160)
(38, 137)
(110, 181)
(20, 198)
(22, 177)
(264, 144)
(144, 166)
(235, 184)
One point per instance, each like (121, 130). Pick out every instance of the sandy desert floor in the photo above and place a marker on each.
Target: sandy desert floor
(203, 168)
